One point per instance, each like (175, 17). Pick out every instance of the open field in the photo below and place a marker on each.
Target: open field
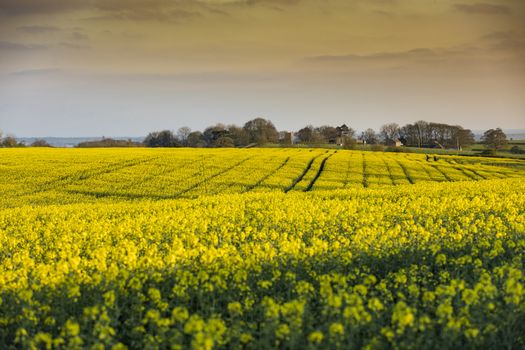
(260, 248)
(62, 176)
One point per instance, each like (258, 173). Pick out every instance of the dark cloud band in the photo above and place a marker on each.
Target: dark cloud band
(483, 9)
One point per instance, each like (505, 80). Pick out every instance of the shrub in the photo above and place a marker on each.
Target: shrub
(491, 152)
(398, 149)
(40, 143)
(224, 142)
(377, 147)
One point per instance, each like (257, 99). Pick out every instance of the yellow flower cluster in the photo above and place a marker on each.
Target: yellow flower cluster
(164, 249)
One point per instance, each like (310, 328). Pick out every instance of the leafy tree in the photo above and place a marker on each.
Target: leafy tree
(40, 143)
(108, 142)
(306, 134)
(10, 141)
(345, 132)
(164, 138)
(320, 135)
(494, 138)
(196, 139)
(212, 133)
(239, 136)
(261, 131)
(224, 141)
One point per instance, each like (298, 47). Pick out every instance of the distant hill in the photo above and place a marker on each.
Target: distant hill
(107, 142)
(515, 134)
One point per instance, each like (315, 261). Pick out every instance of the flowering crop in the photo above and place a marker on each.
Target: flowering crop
(168, 249)
(61, 176)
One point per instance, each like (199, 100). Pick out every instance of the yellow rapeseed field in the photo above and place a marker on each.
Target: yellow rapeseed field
(260, 248)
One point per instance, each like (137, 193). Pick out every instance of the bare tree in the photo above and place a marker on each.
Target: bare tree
(421, 128)
(182, 135)
(463, 137)
(369, 136)
(327, 134)
(389, 132)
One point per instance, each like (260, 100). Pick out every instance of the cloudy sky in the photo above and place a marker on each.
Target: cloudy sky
(126, 67)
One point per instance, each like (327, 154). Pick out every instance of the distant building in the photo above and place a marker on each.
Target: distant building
(394, 143)
(343, 131)
(343, 135)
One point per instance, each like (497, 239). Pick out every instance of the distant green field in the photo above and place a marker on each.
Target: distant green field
(474, 150)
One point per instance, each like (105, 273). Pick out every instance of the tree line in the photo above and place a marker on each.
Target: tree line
(257, 131)
(260, 131)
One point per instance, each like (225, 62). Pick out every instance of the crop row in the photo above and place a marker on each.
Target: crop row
(70, 176)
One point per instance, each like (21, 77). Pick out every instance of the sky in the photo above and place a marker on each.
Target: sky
(128, 67)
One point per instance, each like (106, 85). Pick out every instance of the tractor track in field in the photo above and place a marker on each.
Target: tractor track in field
(130, 196)
(211, 177)
(365, 177)
(146, 178)
(318, 174)
(389, 171)
(150, 176)
(347, 175)
(470, 176)
(265, 177)
(424, 167)
(222, 187)
(302, 175)
(435, 166)
(458, 165)
(90, 173)
(405, 171)
(478, 174)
